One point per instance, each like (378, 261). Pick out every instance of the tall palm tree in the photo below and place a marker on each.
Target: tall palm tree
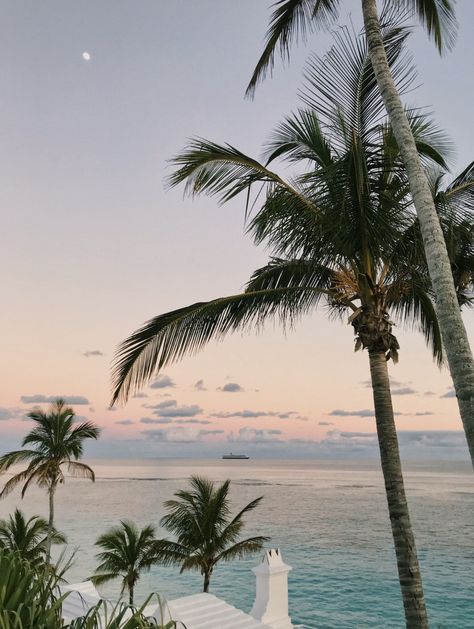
(28, 537)
(205, 531)
(292, 19)
(343, 232)
(55, 443)
(126, 552)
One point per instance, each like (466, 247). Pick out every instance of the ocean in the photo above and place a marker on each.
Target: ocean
(328, 518)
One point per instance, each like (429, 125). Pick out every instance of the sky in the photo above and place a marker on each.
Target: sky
(96, 98)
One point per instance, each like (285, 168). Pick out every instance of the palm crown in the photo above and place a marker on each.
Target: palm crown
(126, 553)
(343, 231)
(55, 442)
(28, 537)
(205, 530)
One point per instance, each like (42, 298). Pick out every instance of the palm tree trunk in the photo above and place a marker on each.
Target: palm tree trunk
(405, 549)
(131, 589)
(207, 579)
(49, 534)
(458, 351)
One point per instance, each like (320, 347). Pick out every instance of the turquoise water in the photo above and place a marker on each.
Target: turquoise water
(329, 520)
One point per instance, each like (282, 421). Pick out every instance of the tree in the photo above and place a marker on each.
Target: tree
(343, 232)
(126, 552)
(205, 531)
(55, 443)
(291, 19)
(28, 537)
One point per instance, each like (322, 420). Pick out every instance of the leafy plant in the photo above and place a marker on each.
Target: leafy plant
(56, 443)
(126, 553)
(205, 531)
(28, 595)
(28, 537)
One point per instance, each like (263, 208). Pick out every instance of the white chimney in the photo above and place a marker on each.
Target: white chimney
(271, 597)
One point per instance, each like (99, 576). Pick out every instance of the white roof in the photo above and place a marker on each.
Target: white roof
(199, 611)
(83, 596)
(206, 611)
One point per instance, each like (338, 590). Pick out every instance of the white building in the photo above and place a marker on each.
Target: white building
(206, 611)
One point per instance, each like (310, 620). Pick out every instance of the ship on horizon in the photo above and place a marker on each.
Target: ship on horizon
(235, 456)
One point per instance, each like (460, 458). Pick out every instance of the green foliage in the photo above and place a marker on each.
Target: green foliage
(27, 537)
(205, 532)
(121, 616)
(27, 594)
(126, 553)
(342, 230)
(291, 20)
(55, 442)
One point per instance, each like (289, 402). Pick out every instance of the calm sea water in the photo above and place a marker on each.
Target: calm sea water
(329, 520)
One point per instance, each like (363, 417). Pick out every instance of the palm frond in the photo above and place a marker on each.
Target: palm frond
(341, 86)
(437, 17)
(169, 337)
(243, 548)
(80, 470)
(222, 171)
(290, 21)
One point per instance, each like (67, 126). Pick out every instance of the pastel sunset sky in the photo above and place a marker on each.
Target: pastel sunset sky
(96, 97)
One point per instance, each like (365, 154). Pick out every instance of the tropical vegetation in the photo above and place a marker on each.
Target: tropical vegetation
(342, 233)
(28, 537)
(55, 443)
(204, 529)
(126, 552)
(28, 594)
(290, 20)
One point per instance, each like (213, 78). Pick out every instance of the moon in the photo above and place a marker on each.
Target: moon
(86, 56)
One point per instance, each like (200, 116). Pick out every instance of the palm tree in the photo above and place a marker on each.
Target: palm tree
(126, 552)
(343, 232)
(292, 19)
(205, 531)
(55, 443)
(28, 537)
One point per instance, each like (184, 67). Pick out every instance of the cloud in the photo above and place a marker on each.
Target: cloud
(139, 395)
(450, 393)
(170, 408)
(421, 413)
(43, 399)
(429, 393)
(413, 443)
(231, 387)
(156, 420)
(192, 421)
(162, 382)
(93, 352)
(180, 434)
(325, 424)
(125, 422)
(365, 412)
(247, 414)
(393, 383)
(255, 435)
(199, 386)
(403, 391)
(9, 413)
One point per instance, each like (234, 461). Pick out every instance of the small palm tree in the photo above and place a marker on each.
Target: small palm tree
(126, 552)
(204, 529)
(56, 443)
(28, 537)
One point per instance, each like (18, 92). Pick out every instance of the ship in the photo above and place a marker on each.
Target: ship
(235, 456)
